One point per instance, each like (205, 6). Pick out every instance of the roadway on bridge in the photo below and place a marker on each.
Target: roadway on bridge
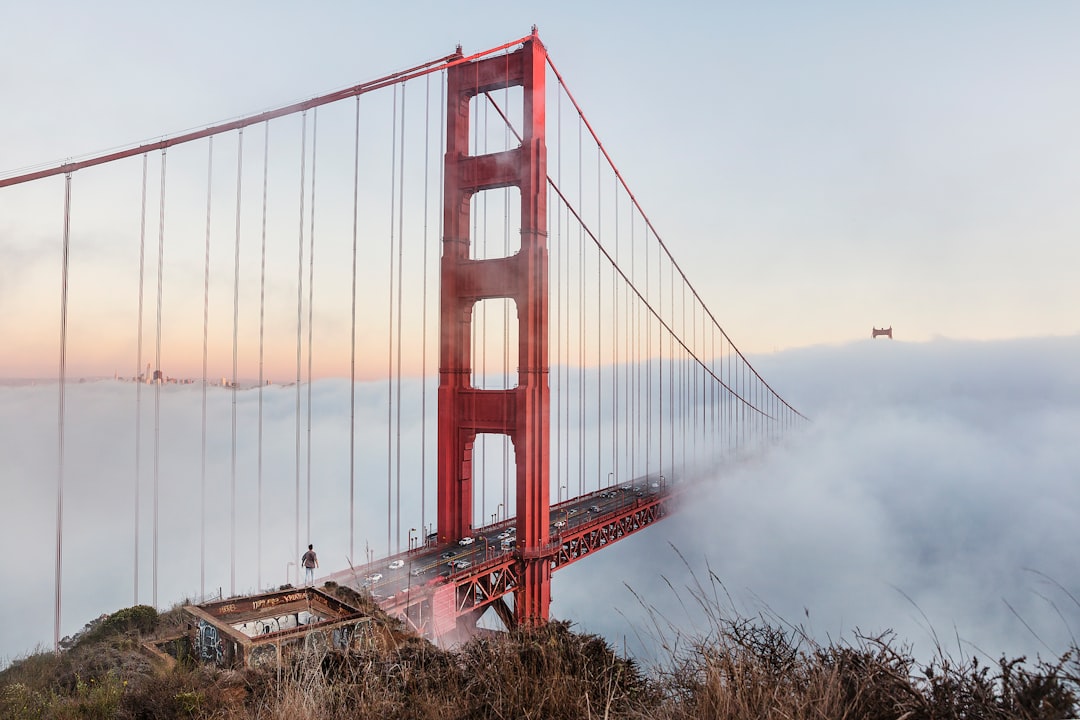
(433, 563)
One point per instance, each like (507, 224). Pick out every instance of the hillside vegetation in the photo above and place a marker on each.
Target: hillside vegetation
(744, 668)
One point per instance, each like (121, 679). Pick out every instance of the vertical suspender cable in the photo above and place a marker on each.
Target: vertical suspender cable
(712, 442)
(721, 407)
(558, 299)
(670, 388)
(311, 309)
(299, 333)
(599, 326)
(660, 356)
(352, 339)
(61, 387)
(442, 153)
(581, 319)
(138, 371)
(401, 263)
(235, 353)
(484, 312)
(684, 380)
(506, 301)
(483, 308)
(423, 317)
(615, 350)
(159, 376)
(646, 321)
(732, 424)
(390, 338)
(631, 407)
(262, 378)
(206, 324)
(704, 380)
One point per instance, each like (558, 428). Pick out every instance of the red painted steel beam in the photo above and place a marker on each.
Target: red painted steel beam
(486, 583)
(532, 600)
(523, 412)
(611, 527)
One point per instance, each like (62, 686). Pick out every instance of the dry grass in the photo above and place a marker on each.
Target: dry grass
(741, 668)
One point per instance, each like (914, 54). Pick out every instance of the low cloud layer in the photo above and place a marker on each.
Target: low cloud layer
(936, 493)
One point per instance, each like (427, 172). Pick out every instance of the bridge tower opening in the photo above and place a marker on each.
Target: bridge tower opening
(521, 412)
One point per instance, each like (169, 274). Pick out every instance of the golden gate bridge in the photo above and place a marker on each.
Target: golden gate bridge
(454, 234)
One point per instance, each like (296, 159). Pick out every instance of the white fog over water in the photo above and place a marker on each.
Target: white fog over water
(935, 492)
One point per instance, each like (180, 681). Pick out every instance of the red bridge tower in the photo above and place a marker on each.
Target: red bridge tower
(520, 412)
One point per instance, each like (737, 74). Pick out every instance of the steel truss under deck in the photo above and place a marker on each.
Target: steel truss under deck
(486, 584)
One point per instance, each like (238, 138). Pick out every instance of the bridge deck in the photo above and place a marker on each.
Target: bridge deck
(480, 573)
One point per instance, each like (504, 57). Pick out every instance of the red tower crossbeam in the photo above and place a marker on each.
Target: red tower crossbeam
(522, 412)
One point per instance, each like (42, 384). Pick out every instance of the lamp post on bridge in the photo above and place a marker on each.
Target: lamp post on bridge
(411, 538)
(499, 512)
(287, 575)
(562, 493)
(610, 479)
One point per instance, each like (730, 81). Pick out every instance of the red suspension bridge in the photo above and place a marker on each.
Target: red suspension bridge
(583, 385)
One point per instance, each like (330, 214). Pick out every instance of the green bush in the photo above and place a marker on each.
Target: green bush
(141, 619)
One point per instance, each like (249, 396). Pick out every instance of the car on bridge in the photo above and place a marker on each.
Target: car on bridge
(396, 564)
(374, 577)
(466, 541)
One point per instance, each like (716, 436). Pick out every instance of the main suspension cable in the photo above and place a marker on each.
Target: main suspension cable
(659, 240)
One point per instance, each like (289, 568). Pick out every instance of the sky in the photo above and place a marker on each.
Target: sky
(933, 494)
(816, 170)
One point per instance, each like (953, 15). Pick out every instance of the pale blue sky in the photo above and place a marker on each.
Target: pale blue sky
(817, 169)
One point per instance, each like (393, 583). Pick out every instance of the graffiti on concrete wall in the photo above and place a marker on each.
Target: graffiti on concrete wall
(208, 645)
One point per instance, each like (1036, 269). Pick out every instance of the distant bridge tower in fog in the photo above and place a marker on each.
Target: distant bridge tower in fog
(887, 332)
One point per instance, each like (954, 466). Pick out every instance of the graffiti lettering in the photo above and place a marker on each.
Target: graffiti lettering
(273, 601)
(208, 647)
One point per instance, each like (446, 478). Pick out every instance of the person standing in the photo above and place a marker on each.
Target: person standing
(310, 561)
